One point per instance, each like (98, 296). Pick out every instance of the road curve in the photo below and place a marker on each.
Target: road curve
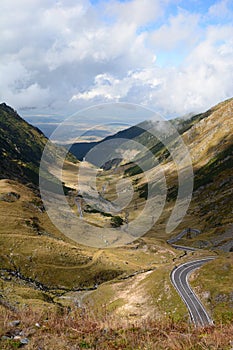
(179, 278)
(181, 247)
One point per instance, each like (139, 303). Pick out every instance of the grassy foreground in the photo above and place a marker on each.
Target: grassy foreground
(82, 329)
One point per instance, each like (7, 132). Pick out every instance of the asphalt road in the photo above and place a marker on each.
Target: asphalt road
(179, 278)
(181, 247)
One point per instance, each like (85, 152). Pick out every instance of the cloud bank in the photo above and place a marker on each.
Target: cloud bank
(172, 56)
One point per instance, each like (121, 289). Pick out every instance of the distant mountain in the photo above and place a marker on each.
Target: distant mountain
(80, 149)
(140, 133)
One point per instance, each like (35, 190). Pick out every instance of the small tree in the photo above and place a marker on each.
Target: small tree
(116, 221)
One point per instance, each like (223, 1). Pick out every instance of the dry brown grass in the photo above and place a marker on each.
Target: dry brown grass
(82, 329)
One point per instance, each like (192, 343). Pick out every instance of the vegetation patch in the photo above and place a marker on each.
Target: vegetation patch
(84, 329)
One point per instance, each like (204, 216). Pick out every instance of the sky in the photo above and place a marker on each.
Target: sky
(172, 56)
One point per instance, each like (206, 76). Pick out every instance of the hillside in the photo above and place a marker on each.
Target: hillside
(21, 147)
(211, 147)
(209, 137)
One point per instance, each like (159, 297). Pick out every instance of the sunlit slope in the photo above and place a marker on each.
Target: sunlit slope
(209, 138)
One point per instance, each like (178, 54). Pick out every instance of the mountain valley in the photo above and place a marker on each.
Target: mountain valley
(127, 276)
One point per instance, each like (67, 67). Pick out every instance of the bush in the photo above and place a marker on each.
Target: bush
(116, 221)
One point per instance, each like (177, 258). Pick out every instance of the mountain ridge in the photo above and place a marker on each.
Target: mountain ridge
(21, 147)
(80, 149)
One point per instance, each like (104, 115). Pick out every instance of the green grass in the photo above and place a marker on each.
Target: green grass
(207, 174)
(216, 278)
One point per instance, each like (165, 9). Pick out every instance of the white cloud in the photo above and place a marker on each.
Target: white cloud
(182, 31)
(18, 87)
(220, 9)
(108, 87)
(136, 12)
(205, 78)
(61, 55)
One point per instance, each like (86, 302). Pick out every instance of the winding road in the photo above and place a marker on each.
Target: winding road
(179, 278)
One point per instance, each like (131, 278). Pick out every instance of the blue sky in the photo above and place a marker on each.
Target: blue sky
(173, 56)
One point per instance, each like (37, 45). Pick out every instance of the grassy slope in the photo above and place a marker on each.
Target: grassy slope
(209, 139)
(21, 147)
(213, 283)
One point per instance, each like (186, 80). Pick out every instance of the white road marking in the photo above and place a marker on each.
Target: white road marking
(183, 290)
